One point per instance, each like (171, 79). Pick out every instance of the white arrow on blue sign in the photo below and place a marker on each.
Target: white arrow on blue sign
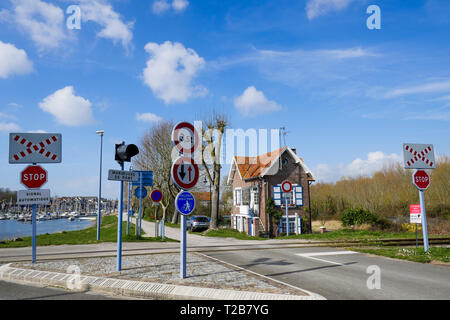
(185, 203)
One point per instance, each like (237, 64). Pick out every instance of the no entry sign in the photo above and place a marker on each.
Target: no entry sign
(33, 177)
(421, 179)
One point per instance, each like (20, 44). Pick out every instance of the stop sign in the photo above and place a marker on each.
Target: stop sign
(33, 177)
(421, 179)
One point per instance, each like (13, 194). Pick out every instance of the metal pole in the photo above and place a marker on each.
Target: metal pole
(119, 227)
(99, 217)
(424, 221)
(33, 221)
(416, 237)
(130, 190)
(183, 247)
(140, 205)
(287, 217)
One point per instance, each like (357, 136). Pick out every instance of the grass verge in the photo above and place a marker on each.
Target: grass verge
(108, 233)
(230, 233)
(441, 254)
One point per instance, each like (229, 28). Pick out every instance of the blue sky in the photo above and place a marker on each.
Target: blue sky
(348, 96)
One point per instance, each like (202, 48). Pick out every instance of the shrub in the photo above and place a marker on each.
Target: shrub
(359, 216)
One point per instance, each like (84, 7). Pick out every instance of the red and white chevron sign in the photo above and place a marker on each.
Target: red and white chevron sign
(34, 148)
(418, 156)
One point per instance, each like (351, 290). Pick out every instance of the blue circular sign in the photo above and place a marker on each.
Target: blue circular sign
(140, 192)
(156, 196)
(185, 203)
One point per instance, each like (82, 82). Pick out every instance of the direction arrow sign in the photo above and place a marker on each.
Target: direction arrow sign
(185, 173)
(35, 147)
(30, 197)
(185, 202)
(185, 137)
(122, 175)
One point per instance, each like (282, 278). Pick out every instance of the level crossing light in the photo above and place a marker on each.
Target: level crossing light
(124, 152)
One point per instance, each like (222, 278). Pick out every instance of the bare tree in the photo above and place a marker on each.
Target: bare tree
(156, 155)
(211, 152)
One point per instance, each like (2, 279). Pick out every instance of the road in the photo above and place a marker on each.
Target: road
(342, 275)
(14, 291)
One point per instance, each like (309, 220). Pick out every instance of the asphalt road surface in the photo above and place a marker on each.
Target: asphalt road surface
(341, 274)
(13, 291)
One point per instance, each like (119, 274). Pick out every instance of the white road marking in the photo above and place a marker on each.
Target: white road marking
(333, 253)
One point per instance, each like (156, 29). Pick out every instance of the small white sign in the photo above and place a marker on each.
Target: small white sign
(415, 218)
(122, 175)
(29, 197)
(418, 156)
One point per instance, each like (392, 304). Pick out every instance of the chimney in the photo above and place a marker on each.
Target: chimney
(294, 150)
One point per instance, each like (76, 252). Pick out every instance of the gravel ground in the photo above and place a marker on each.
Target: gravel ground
(165, 268)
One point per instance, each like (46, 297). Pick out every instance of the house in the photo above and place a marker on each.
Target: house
(203, 198)
(256, 179)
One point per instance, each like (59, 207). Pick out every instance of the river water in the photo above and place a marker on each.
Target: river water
(10, 229)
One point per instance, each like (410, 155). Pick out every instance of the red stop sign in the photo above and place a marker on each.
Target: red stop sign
(33, 177)
(421, 179)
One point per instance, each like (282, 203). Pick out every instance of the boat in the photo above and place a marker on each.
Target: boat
(71, 218)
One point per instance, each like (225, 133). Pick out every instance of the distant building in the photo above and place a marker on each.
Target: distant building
(256, 179)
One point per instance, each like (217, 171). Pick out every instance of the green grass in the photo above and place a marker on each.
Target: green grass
(167, 224)
(108, 233)
(230, 233)
(350, 234)
(411, 254)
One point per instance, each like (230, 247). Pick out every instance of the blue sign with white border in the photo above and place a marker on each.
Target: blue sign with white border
(147, 179)
(185, 203)
(140, 193)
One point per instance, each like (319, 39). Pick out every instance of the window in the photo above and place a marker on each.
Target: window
(237, 196)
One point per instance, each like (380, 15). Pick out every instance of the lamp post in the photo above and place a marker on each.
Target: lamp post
(100, 132)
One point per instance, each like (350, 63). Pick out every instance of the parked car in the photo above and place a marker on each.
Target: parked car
(197, 223)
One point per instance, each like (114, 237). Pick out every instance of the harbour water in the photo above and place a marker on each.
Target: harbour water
(10, 229)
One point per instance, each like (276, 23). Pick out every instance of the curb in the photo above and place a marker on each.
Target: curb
(138, 289)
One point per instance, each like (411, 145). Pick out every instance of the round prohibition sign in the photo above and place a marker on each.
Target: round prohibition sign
(286, 186)
(185, 137)
(156, 196)
(185, 172)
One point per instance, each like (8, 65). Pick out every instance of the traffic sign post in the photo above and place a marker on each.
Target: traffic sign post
(420, 157)
(286, 186)
(185, 174)
(156, 197)
(421, 180)
(185, 204)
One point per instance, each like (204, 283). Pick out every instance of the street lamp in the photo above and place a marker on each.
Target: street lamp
(100, 132)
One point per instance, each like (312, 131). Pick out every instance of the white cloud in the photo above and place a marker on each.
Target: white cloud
(148, 117)
(162, 6)
(170, 71)
(67, 108)
(180, 5)
(37, 131)
(14, 105)
(442, 86)
(9, 127)
(316, 8)
(359, 167)
(253, 102)
(43, 22)
(7, 116)
(101, 12)
(13, 61)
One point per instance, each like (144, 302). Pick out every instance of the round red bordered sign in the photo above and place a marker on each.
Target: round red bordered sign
(185, 172)
(286, 186)
(185, 137)
(156, 196)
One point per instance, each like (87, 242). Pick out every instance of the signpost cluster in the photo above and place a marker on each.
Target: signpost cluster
(185, 175)
(34, 148)
(419, 157)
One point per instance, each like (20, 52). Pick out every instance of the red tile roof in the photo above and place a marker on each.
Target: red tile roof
(253, 167)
